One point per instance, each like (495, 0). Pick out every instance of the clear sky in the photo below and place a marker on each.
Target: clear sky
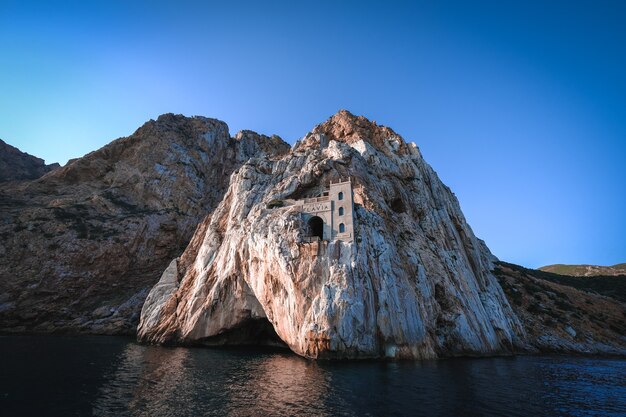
(520, 106)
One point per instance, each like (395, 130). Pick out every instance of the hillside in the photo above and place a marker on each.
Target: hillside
(567, 314)
(585, 270)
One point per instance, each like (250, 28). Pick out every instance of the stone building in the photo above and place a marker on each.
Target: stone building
(329, 216)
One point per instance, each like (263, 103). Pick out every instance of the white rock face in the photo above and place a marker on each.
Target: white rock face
(415, 283)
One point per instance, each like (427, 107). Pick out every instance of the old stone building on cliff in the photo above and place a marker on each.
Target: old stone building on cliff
(329, 216)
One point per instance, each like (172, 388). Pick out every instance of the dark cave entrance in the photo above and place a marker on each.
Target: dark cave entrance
(251, 327)
(252, 332)
(316, 227)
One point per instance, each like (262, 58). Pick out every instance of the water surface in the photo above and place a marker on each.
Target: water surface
(113, 376)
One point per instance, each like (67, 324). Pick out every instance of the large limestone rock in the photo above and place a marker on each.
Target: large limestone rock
(82, 245)
(414, 283)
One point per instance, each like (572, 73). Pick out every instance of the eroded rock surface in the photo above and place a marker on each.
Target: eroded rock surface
(414, 283)
(82, 246)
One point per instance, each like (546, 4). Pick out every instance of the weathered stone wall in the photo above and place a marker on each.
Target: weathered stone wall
(327, 207)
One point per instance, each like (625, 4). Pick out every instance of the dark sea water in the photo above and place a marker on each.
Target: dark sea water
(113, 376)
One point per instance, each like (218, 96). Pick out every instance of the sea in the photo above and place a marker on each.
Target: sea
(115, 376)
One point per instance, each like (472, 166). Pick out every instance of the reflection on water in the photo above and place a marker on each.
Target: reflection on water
(278, 384)
(114, 376)
(155, 381)
(146, 382)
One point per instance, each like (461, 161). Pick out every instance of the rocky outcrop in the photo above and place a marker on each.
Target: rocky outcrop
(16, 165)
(82, 246)
(414, 283)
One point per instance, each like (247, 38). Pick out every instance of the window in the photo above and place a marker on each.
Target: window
(340, 196)
(341, 211)
(342, 228)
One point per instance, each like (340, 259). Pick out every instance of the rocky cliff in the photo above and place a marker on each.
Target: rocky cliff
(414, 283)
(82, 245)
(16, 165)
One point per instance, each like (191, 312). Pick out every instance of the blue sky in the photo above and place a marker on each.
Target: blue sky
(519, 106)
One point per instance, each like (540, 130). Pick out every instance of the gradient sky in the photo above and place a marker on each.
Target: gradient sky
(519, 106)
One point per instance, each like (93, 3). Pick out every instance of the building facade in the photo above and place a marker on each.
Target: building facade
(330, 216)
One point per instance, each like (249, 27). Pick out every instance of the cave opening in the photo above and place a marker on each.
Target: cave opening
(316, 227)
(397, 205)
(251, 332)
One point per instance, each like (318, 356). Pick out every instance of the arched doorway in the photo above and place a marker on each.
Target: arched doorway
(316, 227)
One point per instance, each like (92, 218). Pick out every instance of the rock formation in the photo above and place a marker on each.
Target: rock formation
(16, 165)
(82, 246)
(414, 283)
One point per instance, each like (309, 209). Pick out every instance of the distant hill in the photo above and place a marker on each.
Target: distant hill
(585, 270)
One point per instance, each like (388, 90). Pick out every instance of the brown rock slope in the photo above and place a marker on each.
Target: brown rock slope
(566, 314)
(16, 165)
(81, 246)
